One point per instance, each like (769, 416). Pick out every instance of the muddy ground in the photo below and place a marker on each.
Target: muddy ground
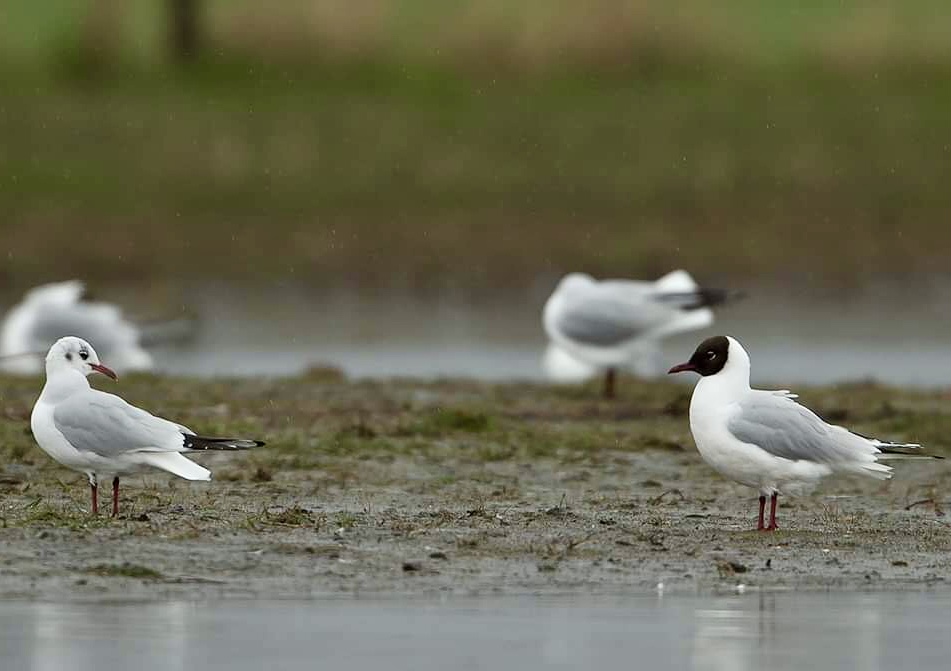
(402, 486)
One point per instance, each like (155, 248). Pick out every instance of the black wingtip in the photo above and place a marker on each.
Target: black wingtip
(909, 450)
(708, 297)
(220, 444)
(703, 297)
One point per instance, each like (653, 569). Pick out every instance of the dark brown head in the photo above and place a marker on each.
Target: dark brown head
(708, 359)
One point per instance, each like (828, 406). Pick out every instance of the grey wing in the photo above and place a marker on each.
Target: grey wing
(782, 427)
(605, 318)
(108, 426)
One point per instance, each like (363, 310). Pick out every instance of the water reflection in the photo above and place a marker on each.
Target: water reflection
(54, 636)
(739, 633)
(842, 631)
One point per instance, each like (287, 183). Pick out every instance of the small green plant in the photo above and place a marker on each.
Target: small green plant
(441, 421)
(295, 516)
(125, 570)
(347, 520)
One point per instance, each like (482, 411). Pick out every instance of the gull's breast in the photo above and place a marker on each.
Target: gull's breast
(51, 441)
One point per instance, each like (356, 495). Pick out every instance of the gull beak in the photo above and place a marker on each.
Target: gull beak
(682, 368)
(108, 372)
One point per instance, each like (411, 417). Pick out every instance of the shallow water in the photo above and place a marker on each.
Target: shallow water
(753, 631)
(887, 334)
(894, 333)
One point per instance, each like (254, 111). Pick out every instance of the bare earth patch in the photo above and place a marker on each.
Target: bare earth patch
(410, 487)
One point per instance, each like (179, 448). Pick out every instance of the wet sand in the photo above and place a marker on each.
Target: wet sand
(406, 487)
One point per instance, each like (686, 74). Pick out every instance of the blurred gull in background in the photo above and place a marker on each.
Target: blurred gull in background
(51, 311)
(596, 326)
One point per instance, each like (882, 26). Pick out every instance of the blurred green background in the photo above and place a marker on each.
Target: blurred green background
(474, 145)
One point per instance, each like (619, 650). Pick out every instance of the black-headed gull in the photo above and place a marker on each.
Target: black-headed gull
(101, 435)
(51, 310)
(596, 326)
(765, 439)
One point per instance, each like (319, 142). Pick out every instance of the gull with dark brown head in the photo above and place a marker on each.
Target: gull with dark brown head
(101, 435)
(765, 439)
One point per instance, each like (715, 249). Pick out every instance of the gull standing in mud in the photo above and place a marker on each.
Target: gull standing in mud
(765, 439)
(597, 326)
(101, 435)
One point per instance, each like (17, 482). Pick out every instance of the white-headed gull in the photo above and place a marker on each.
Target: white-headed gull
(765, 439)
(596, 326)
(53, 310)
(101, 435)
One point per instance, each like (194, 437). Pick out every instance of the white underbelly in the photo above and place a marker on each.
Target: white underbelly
(752, 466)
(55, 444)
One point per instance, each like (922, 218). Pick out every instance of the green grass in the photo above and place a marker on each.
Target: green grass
(291, 517)
(125, 571)
(465, 427)
(440, 421)
(481, 34)
(411, 189)
(417, 144)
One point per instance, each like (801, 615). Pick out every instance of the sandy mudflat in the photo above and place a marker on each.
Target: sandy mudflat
(405, 487)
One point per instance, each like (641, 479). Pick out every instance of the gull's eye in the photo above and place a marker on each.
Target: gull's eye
(83, 354)
(711, 355)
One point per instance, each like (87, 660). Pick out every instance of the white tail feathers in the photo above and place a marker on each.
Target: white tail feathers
(886, 451)
(678, 281)
(876, 470)
(175, 463)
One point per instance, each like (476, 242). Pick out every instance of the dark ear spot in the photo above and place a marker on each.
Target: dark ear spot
(69, 356)
(710, 356)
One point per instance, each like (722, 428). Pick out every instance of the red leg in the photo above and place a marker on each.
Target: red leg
(609, 375)
(95, 497)
(115, 496)
(760, 525)
(772, 512)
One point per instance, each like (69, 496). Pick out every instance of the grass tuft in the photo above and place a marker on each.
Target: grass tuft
(125, 570)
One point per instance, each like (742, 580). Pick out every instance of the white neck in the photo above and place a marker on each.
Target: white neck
(61, 383)
(724, 385)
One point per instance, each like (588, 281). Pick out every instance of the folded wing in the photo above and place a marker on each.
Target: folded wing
(782, 427)
(106, 425)
(610, 313)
